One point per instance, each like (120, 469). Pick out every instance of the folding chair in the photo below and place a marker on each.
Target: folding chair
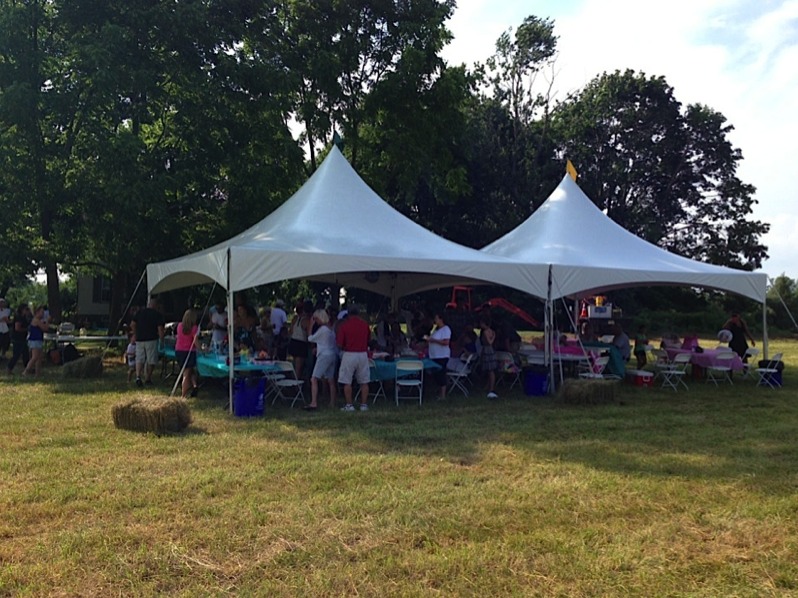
(673, 375)
(377, 382)
(458, 378)
(751, 356)
(508, 369)
(721, 370)
(410, 379)
(767, 374)
(660, 361)
(597, 371)
(289, 387)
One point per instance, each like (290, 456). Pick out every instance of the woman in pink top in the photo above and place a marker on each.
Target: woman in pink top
(186, 351)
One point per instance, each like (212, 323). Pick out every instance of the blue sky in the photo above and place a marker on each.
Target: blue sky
(737, 56)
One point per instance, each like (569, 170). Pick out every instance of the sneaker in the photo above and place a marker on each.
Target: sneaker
(493, 395)
(139, 383)
(364, 407)
(348, 408)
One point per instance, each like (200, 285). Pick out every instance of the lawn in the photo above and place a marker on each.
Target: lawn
(663, 493)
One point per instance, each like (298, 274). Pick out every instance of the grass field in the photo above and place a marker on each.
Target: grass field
(663, 493)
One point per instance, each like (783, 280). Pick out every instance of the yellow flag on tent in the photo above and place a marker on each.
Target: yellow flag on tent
(569, 168)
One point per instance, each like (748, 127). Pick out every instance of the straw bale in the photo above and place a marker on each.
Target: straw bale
(90, 366)
(159, 415)
(588, 392)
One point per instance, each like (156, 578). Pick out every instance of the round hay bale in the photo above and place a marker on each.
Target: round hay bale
(90, 366)
(159, 415)
(588, 392)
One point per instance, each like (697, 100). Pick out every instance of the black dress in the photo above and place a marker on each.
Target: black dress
(737, 343)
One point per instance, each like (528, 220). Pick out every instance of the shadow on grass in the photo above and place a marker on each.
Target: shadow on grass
(741, 433)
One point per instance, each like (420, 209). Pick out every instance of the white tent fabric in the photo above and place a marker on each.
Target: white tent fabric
(337, 229)
(589, 252)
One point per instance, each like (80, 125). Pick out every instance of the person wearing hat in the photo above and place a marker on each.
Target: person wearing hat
(5, 331)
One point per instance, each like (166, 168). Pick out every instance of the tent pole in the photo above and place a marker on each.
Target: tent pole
(548, 357)
(764, 329)
(230, 341)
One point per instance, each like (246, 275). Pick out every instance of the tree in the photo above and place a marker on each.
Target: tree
(339, 53)
(665, 173)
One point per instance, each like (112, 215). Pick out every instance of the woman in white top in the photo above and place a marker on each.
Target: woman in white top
(439, 350)
(326, 359)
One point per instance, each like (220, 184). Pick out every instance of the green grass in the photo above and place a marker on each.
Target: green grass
(690, 493)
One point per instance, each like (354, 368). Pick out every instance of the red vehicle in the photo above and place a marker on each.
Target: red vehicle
(464, 294)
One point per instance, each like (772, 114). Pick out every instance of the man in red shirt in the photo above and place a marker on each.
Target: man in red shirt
(352, 338)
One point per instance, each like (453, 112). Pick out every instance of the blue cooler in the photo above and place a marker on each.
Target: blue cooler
(248, 397)
(536, 383)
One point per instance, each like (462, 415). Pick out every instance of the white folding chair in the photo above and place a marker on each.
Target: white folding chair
(721, 370)
(597, 371)
(750, 357)
(767, 374)
(459, 378)
(508, 370)
(409, 381)
(660, 361)
(289, 387)
(673, 375)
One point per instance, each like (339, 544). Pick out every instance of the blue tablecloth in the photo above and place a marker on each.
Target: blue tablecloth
(386, 370)
(210, 365)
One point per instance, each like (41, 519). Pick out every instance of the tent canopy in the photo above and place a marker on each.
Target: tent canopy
(589, 252)
(336, 229)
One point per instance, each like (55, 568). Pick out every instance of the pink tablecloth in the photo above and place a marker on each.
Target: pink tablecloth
(708, 358)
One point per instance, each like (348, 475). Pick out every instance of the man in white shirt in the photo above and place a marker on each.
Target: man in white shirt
(5, 331)
(219, 325)
(279, 317)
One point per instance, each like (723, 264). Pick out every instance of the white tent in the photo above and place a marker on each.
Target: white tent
(337, 229)
(589, 252)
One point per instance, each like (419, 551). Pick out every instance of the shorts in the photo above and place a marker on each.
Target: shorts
(147, 352)
(354, 365)
(187, 357)
(325, 365)
(35, 344)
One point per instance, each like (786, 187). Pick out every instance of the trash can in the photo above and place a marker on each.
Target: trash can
(536, 382)
(248, 397)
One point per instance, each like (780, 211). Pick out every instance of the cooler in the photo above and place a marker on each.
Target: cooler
(640, 378)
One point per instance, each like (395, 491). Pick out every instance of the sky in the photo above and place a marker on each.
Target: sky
(739, 57)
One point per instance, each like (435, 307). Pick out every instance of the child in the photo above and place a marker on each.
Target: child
(641, 345)
(130, 356)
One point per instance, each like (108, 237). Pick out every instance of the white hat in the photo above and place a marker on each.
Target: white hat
(2, 300)
(279, 303)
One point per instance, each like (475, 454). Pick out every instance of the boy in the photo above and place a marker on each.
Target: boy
(130, 356)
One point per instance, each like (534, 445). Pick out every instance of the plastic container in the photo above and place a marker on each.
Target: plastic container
(536, 383)
(248, 397)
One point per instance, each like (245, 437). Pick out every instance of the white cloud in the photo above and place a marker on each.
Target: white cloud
(735, 56)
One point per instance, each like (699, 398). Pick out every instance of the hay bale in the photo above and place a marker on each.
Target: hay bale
(159, 415)
(588, 392)
(90, 366)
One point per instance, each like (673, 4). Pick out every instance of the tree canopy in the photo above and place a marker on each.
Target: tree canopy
(138, 131)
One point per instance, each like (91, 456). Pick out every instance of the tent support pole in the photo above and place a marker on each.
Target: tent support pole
(548, 355)
(230, 341)
(764, 329)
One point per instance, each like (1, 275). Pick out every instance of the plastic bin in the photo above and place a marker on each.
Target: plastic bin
(536, 382)
(248, 397)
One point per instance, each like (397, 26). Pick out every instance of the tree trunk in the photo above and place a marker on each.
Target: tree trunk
(53, 290)
(119, 295)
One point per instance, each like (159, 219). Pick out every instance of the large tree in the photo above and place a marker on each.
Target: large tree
(664, 172)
